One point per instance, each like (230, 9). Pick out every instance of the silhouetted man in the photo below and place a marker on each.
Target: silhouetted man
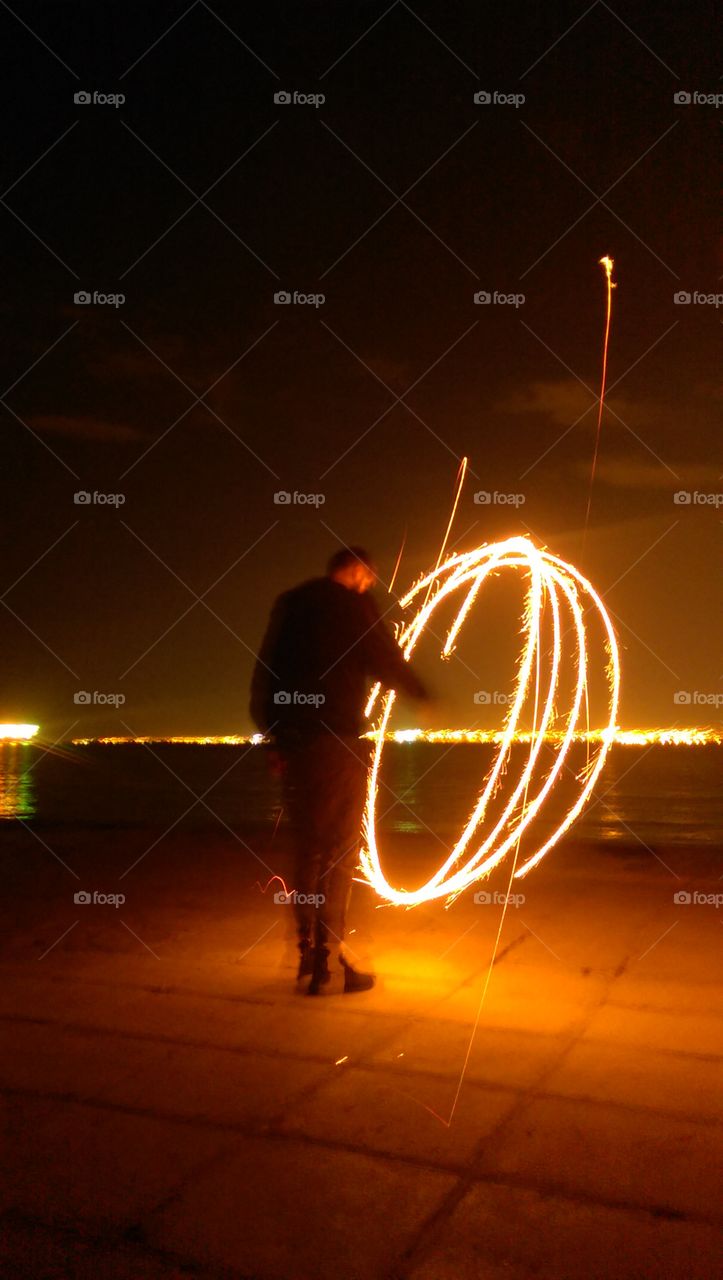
(324, 644)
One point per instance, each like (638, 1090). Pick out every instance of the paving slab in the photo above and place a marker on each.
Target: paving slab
(401, 1114)
(32, 1251)
(635, 1076)
(287, 1208)
(503, 1056)
(614, 1154)
(524, 998)
(503, 1233)
(322, 1029)
(657, 1029)
(670, 994)
(72, 1163)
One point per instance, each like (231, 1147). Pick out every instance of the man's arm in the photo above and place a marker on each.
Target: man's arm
(263, 681)
(385, 659)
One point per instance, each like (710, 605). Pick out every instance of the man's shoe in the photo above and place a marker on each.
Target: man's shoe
(320, 974)
(354, 980)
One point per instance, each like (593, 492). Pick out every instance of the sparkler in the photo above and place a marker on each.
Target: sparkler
(550, 581)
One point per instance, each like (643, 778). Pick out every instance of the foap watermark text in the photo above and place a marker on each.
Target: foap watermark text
(292, 897)
(284, 698)
(483, 298)
(283, 298)
(83, 899)
(485, 98)
(283, 498)
(485, 899)
(84, 298)
(94, 698)
(84, 98)
(84, 498)
(294, 98)
(483, 498)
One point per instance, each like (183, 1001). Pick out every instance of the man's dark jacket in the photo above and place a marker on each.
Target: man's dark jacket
(324, 641)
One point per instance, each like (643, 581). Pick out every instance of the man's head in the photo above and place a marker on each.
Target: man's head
(354, 568)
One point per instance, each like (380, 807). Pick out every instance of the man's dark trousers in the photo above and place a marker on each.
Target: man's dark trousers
(324, 791)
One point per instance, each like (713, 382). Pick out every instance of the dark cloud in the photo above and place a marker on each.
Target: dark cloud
(83, 428)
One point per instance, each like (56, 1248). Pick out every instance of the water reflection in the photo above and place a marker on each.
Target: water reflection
(17, 789)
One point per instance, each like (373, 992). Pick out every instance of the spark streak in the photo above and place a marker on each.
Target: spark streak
(607, 264)
(550, 581)
(459, 483)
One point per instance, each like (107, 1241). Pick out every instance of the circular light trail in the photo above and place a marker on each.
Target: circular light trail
(550, 582)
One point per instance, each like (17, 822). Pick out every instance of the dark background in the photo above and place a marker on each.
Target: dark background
(305, 399)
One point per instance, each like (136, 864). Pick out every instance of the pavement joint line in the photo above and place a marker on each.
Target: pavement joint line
(309, 1091)
(118, 1241)
(678, 1011)
(370, 1066)
(429, 1229)
(466, 1174)
(494, 1086)
(175, 1193)
(464, 983)
(147, 1037)
(91, 1030)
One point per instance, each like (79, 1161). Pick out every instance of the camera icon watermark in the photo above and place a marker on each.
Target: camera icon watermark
(483, 298)
(284, 698)
(694, 498)
(484, 899)
(84, 498)
(84, 698)
(283, 498)
(283, 298)
(83, 98)
(483, 98)
(83, 298)
(483, 498)
(483, 698)
(83, 899)
(293, 98)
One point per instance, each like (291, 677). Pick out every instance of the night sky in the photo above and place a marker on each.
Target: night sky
(398, 199)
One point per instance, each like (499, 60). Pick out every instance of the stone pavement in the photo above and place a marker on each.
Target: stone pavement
(172, 1106)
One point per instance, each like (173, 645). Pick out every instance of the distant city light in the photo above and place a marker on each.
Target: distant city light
(18, 732)
(621, 737)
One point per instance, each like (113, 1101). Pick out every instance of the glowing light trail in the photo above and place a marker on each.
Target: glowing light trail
(399, 561)
(552, 582)
(607, 264)
(459, 482)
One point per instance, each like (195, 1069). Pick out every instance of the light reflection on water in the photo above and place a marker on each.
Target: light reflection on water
(659, 793)
(17, 790)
